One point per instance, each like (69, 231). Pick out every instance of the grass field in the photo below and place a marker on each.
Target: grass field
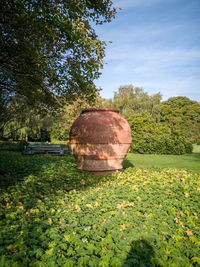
(52, 214)
(186, 162)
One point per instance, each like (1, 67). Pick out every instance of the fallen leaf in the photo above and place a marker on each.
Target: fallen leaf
(176, 220)
(122, 227)
(104, 221)
(120, 206)
(187, 194)
(77, 208)
(189, 232)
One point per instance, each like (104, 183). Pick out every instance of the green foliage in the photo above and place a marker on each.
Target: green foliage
(26, 122)
(55, 215)
(9, 146)
(50, 51)
(182, 114)
(13, 146)
(64, 119)
(29, 123)
(22, 144)
(151, 137)
(196, 148)
(130, 99)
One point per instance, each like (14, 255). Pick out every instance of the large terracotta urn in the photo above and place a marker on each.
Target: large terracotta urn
(100, 139)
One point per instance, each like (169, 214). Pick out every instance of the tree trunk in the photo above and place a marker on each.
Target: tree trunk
(26, 138)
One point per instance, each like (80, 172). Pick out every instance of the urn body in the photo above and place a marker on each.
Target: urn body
(100, 139)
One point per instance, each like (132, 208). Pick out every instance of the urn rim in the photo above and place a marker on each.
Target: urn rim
(100, 110)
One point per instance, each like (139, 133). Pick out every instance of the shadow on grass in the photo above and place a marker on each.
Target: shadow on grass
(29, 178)
(14, 167)
(127, 164)
(196, 155)
(140, 255)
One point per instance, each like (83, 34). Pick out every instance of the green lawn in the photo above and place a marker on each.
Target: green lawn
(52, 214)
(187, 162)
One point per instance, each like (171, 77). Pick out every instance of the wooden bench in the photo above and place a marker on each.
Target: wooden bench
(46, 149)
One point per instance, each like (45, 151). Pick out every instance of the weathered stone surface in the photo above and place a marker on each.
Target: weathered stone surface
(100, 139)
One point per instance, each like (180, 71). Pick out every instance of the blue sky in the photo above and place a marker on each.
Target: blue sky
(156, 46)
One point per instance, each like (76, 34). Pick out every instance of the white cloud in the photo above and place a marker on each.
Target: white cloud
(120, 68)
(124, 4)
(174, 86)
(172, 72)
(142, 59)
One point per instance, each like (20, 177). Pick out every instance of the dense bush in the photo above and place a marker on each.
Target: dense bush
(182, 114)
(151, 137)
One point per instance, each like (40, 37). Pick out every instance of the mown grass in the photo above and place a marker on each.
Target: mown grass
(55, 215)
(184, 162)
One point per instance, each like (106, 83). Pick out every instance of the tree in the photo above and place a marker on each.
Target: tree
(107, 103)
(25, 123)
(63, 121)
(130, 99)
(182, 114)
(49, 49)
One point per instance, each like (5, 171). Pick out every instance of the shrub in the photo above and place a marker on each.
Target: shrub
(9, 146)
(13, 146)
(151, 137)
(22, 144)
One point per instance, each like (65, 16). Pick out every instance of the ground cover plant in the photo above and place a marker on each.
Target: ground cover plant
(55, 215)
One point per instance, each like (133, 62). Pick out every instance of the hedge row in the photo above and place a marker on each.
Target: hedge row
(151, 137)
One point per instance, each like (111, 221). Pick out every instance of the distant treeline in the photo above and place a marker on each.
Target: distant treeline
(163, 127)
